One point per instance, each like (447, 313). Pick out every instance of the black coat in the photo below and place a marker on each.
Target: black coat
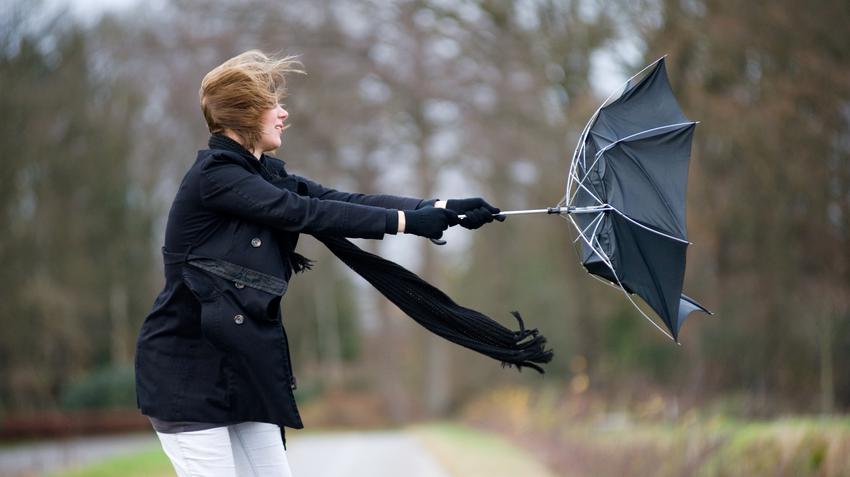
(213, 347)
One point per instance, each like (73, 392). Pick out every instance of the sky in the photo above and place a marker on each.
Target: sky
(88, 11)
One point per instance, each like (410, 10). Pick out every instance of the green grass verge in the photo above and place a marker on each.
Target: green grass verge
(149, 463)
(465, 452)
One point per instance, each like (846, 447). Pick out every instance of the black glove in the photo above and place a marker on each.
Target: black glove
(478, 212)
(429, 221)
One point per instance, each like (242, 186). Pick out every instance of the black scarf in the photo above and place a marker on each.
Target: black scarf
(426, 304)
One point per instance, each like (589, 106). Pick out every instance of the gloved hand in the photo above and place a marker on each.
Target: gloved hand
(478, 212)
(429, 221)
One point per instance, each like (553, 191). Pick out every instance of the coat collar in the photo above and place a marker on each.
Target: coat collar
(220, 141)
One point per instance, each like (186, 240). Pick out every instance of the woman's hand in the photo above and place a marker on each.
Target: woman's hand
(427, 222)
(476, 210)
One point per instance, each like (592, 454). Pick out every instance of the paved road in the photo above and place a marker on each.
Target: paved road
(337, 454)
(42, 457)
(376, 454)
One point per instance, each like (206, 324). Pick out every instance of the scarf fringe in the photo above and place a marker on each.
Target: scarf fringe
(300, 263)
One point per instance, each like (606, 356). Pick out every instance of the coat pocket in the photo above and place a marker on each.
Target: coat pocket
(234, 314)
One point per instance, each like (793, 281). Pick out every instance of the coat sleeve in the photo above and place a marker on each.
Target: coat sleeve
(377, 200)
(228, 187)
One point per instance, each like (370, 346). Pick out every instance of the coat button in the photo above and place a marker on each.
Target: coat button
(256, 242)
(239, 285)
(239, 319)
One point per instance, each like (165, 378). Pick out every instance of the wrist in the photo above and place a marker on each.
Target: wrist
(440, 204)
(401, 222)
(392, 222)
(426, 203)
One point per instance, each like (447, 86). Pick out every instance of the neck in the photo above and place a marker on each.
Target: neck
(232, 135)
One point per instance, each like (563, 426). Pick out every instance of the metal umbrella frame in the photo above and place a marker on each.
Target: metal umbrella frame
(586, 211)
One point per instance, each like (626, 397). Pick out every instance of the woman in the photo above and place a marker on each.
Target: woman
(213, 371)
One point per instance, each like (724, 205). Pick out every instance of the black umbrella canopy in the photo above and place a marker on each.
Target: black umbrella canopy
(626, 191)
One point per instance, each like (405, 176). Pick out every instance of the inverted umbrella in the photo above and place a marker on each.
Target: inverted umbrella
(625, 195)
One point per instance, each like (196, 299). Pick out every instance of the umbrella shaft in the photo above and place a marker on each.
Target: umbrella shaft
(555, 210)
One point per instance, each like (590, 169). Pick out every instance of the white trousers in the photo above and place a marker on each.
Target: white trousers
(247, 449)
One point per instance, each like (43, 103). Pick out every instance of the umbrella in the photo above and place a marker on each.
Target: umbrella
(625, 195)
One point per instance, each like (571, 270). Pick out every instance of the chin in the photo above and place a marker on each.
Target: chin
(272, 146)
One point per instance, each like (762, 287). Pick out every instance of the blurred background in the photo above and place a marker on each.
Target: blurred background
(449, 99)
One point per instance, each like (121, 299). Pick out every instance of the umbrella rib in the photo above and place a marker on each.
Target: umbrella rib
(571, 173)
(647, 228)
(586, 174)
(596, 229)
(573, 176)
(602, 256)
(581, 184)
(641, 311)
(666, 126)
(580, 147)
(604, 282)
(597, 218)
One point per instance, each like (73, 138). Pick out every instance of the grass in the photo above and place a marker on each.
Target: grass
(151, 462)
(466, 452)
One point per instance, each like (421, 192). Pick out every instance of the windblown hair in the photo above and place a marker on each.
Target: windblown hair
(235, 94)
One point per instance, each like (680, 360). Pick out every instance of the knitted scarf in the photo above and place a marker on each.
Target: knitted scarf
(439, 314)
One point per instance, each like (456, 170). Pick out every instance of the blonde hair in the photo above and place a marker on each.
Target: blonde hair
(235, 94)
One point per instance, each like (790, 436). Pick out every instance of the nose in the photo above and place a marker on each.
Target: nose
(282, 114)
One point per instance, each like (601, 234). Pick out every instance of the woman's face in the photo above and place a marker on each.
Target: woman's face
(272, 126)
